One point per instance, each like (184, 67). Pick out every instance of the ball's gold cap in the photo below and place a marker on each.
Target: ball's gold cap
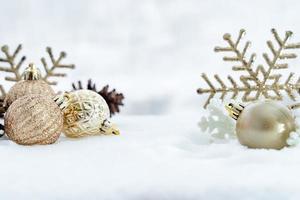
(62, 100)
(234, 110)
(108, 128)
(32, 73)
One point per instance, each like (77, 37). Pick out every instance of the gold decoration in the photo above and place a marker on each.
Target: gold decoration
(13, 66)
(32, 73)
(32, 84)
(86, 113)
(260, 81)
(56, 63)
(113, 99)
(33, 119)
(265, 124)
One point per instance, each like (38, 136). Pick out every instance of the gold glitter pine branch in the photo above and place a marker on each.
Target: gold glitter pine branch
(251, 83)
(56, 63)
(13, 66)
(239, 56)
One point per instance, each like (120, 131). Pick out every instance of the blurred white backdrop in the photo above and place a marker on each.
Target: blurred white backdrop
(152, 51)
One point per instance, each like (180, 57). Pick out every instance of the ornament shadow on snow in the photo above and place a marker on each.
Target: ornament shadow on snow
(260, 81)
(13, 67)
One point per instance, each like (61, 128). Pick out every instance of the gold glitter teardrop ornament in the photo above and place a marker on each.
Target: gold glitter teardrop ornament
(33, 119)
(31, 84)
(264, 124)
(86, 113)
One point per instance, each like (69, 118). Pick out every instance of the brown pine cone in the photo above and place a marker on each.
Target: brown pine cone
(2, 108)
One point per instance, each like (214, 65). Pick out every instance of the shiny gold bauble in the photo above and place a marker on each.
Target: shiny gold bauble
(33, 119)
(266, 124)
(86, 113)
(32, 84)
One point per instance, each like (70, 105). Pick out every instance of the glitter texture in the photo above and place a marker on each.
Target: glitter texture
(33, 119)
(27, 87)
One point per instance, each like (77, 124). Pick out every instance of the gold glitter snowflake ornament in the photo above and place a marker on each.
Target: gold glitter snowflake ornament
(255, 82)
(10, 64)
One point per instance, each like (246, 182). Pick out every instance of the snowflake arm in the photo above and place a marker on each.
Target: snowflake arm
(56, 63)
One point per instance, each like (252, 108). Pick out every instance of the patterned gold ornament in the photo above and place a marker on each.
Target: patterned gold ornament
(86, 113)
(264, 124)
(31, 84)
(33, 119)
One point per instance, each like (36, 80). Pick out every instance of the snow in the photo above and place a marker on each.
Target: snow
(153, 52)
(154, 158)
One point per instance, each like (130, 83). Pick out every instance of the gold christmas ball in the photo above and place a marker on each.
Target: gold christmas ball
(32, 84)
(265, 124)
(33, 119)
(86, 113)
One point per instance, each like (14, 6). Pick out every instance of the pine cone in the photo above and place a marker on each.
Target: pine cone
(112, 98)
(2, 109)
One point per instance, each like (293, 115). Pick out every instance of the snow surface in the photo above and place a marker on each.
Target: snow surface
(153, 52)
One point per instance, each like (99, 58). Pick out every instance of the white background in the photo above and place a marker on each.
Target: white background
(154, 52)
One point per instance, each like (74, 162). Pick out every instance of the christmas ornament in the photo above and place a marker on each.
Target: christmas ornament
(34, 119)
(32, 84)
(255, 131)
(112, 98)
(50, 71)
(2, 109)
(218, 124)
(255, 81)
(263, 124)
(86, 113)
(13, 66)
